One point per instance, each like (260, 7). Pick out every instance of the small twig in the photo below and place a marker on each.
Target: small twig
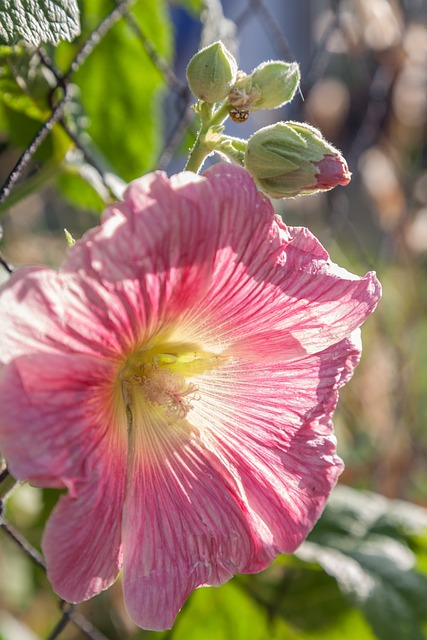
(86, 153)
(68, 609)
(320, 55)
(87, 627)
(63, 622)
(372, 123)
(184, 119)
(49, 65)
(58, 110)
(69, 614)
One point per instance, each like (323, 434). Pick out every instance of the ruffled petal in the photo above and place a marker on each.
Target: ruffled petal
(55, 412)
(248, 481)
(274, 292)
(223, 471)
(59, 428)
(270, 425)
(42, 311)
(82, 538)
(288, 305)
(156, 249)
(182, 528)
(214, 243)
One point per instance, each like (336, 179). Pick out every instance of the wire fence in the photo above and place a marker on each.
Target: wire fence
(363, 123)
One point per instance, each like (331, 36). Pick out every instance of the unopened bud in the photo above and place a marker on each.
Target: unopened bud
(269, 86)
(211, 73)
(276, 82)
(290, 158)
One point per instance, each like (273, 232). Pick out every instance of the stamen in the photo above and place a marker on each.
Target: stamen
(166, 388)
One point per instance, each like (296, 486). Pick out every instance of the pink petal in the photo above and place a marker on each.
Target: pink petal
(280, 296)
(213, 243)
(201, 261)
(181, 528)
(332, 171)
(82, 538)
(158, 245)
(62, 313)
(248, 483)
(54, 414)
(270, 424)
(58, 429)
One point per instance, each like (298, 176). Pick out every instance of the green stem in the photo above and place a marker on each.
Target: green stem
(202, 148)
(198, 154)
(219, 116)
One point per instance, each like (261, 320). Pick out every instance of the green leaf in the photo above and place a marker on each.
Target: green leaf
(24, 82)
(350, 626)
(38, 21)
(307, 597)
(121, 88)
(224, 613)
(368, 544)
(194, 6)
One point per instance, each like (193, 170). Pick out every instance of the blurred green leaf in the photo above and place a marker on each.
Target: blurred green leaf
(41, 21)
(369, 545)
(24, 82)
(121, 88)
(116, 109)
(195, 6)
(308, 598)
(350, 626)
(358, 514)
(224, 613)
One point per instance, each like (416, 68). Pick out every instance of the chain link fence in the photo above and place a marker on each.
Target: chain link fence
(364, 85)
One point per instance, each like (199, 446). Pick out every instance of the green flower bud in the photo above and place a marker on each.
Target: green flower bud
(269, 86)
(211, 73)
(276, 82)
(290, 158)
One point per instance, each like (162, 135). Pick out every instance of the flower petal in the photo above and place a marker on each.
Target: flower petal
(214, 243)
(58, 429)
(42, 311)
(82, 538)
(286, 305)
(281, 445)
(157, 247)
(54, 415)
(182, 528)
(248, 482)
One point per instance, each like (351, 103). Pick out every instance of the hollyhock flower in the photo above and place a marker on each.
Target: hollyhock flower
(177, 377)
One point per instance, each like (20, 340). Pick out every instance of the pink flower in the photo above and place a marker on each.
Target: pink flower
(177, 377)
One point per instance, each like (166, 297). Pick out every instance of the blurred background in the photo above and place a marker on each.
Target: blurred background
(364, 85)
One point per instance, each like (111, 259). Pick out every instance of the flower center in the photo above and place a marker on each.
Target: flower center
(159, 377)
(166, 388)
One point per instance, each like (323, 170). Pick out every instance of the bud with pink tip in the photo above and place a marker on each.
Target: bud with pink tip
(290, 158)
